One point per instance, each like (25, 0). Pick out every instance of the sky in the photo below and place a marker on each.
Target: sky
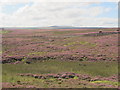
(28, 13)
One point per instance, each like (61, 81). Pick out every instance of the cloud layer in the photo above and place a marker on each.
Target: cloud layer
(42, 14)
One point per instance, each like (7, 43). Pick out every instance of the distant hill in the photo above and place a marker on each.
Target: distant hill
(70, 27)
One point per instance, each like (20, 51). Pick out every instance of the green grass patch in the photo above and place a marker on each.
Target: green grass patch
(4, 31)
(106, 82)
(13, 79)
(76, 31)
(57, 66)
(37, 53)
(75, 77)
(81, 43)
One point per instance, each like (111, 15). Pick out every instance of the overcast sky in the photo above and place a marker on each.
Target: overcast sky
(27, 13)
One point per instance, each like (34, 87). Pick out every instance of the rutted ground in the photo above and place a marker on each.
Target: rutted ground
(25, 48)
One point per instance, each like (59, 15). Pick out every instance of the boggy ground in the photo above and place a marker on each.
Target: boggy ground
(89, 56)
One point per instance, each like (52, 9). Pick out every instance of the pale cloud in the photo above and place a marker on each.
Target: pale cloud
(20, 1)
(49, 13)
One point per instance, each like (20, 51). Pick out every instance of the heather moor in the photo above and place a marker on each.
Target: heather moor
(59, 45)
(67, 58)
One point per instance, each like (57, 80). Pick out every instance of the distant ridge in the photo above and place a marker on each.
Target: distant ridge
(70, 27)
